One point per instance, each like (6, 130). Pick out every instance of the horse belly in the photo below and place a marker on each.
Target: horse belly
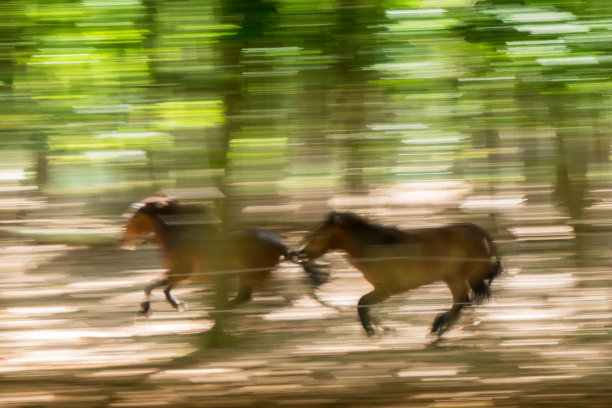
(399, 275)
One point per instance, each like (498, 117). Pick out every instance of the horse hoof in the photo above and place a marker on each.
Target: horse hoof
(182, 307)
(370, 331)
(145, 309)
(375, 331)
(438, 324)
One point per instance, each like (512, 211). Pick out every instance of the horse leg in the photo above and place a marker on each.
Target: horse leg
(444, 321)
(145, 305)
(175, 302)
(180, 272)
(363, 308)
(244, 295)
(219, 313)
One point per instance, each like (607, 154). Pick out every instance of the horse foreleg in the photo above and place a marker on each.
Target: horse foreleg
(175, 302)
(444, 321)
(145, 305)
(363, 308)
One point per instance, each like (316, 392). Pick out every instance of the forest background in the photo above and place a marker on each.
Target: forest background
(283, 101)
(411, 112)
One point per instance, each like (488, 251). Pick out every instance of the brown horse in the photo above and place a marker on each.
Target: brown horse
(394, 261)
(195, 249)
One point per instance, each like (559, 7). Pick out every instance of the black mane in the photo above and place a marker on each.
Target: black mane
(169, 207)
(373, 234)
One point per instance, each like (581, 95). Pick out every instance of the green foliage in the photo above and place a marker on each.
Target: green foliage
(232, 93)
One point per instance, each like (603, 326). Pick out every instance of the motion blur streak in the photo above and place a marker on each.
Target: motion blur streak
(272, 113)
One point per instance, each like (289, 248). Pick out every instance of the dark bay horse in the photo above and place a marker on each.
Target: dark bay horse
(194, 248)
(462, 255)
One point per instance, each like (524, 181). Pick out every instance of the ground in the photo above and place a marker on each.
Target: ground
(71, 337)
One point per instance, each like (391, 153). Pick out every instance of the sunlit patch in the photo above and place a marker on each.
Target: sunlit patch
(335, 349)
(213, 374)
(73, 358)
(53, 249)
(446, 372)
(529, 343)
(525, 281)
(21, 398)
(71, 336)
(35, 337)
(433, 192)
(153, 327)
(29, 323)
(573, 353)
(526, 314)
(103, 284)
(305, 308)
(119, 373)
(543, 232)
(528, 379)
(41, 310)
(493, 202)
(31, 293)
(338, 299)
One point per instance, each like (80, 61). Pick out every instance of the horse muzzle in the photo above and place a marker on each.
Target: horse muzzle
(298, 256)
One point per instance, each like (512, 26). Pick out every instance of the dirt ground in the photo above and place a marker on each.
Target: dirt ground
(70, 336)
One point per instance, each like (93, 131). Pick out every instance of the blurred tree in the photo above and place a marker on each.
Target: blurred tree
(334, 94)
(252, 23)
(356, 43)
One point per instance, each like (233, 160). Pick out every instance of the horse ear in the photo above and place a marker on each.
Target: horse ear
(136, 206)
(164, 202)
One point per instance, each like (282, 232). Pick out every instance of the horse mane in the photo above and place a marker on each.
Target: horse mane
(171, 211)
(373, 233)
(157, 205)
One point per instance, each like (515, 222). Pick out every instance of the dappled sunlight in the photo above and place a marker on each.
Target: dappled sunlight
(72, 311)
(221, 140)
(305, 308)
(543, 232)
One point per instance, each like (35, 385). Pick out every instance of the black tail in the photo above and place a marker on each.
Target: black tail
(317, 276)
(482, 291)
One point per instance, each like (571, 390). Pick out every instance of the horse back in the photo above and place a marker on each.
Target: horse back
(404, 259)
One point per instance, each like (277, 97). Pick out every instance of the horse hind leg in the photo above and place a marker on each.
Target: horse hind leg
(444, 321)
(480, 291)
(363, 309)
(244, 295)
(480, 282)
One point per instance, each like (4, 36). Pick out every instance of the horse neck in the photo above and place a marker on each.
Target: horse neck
(170, 234)
(162, 231)
(351, 243)
(355, 240)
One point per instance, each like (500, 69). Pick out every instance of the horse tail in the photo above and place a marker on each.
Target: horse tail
(316, 276)
(481, 289)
